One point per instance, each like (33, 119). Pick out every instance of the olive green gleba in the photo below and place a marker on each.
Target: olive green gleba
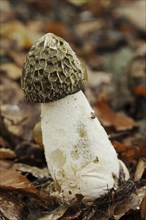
(51, 71)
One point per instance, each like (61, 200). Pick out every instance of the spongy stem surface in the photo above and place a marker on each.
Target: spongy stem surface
(80, 157)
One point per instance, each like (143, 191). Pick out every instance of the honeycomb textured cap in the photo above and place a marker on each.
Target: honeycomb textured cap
(51, 70)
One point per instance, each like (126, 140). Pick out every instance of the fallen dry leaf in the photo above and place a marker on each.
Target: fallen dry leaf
(10, 208)
(12, 179)
(128, 152)
(143, 208)
(35, 171)
(137, 139)
(55, 214)
(6, 153)
(108, 117)
(6, 164)
(18, 204)
(131, 204)
(140, 169)
(140, 90)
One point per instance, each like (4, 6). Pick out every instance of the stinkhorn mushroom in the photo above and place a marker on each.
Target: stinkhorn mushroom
(80, 157)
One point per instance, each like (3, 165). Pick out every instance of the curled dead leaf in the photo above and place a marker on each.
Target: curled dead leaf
(35, 171)
(12, 179)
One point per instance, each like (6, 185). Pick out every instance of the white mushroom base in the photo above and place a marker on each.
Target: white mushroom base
(80, 157)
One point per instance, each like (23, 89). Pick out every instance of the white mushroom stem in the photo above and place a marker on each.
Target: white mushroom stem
(80, 157)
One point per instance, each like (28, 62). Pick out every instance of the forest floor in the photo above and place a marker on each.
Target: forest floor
(109, 36)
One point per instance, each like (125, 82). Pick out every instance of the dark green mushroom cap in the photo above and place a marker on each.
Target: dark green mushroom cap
(51, 70)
